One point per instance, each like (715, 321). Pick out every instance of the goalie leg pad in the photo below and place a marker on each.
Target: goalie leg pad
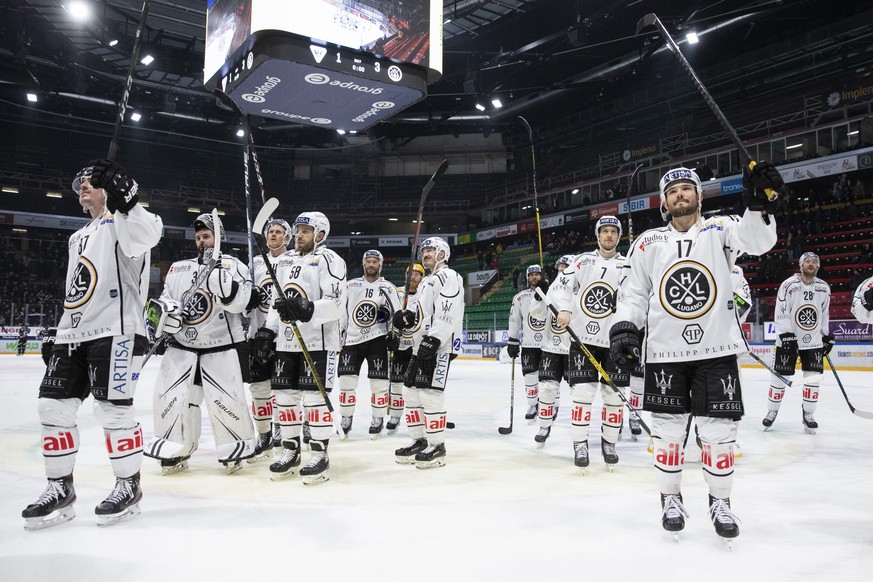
(414, 412)
(170, 404)
(718, 435)
(60, 435)
(668, 434)
(225, 400)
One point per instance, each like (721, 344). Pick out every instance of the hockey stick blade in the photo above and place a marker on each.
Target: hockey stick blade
(855, 411)
(264, 215)
(504, 429)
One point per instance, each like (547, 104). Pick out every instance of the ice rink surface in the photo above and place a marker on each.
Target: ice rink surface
(499, 510)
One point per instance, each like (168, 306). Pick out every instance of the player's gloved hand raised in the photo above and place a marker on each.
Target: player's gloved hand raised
(221, 284)
(404, 319)
(788, 341)
(542, 285)
(48, 343)
(427, 353)
(762, 177)
(409, 374)
(392, 342)
(513, 347)
(296, 308)
(383, 314)
(867, 299)
(121, 189)
(264, 345)
(827, 344)
(624, 345)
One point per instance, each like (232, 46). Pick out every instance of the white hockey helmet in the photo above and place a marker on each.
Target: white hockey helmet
(809, 255)
(318, 221)
(607, 220)
(679, 175)
(84, 174)
(564, 260)
(283, 224)
(534, 269)
(373, 253)
(438, 244)
(205, 221)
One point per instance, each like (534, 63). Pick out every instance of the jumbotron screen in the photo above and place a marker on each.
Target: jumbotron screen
(409, 30)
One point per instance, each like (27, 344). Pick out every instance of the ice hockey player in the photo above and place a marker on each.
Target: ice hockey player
(202, 363)
(99, 346)
(862, 302)
(400, 343)
(436, 344)
(554, 361)
(366, 320)
(22, 339)
(310, 301)
(802, 321)
(525, 336)
(678, 286)
(584, 295)
(277, 236)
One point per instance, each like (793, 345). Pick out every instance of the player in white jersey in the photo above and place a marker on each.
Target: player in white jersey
(435, 344)
(99, 346)
(204, 358)
(584, 295)
(277, 235)
(400, 346)
(366, 319)
(310, 301)
(802, 321)
(862, 302)
(554, 362)
(525, 337)
(678, 285)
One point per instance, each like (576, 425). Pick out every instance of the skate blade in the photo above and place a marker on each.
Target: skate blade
(410, 460)
(610, 468)
(260, 457)
(177, 468)
(375, 436)
(728, 543)
(231, 468)
(316, 479)
(116, 518)
(56, 517)
(432, 464)
(541, 445)
(390, 431)
(282, 476)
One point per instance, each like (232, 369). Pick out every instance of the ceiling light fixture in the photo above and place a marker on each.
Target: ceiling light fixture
(53, 195)
(113, 42)
(393, 219)
(32, 97)
(793, 146)
(692, 37)
(479, 106)
(135, 116)
(79, 10)
(147, 60)
(575, 191)
(497, 103)
(193, 210)
(240, 133)
(10, 189)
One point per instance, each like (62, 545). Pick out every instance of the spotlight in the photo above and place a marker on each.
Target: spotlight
(480, 107)
(135, 116)
(32, 97)
(113, 42)
(147, 60)
(341, 131)
(692, 37)
(496, 103)
(240, 133)
(79, 10)
(575, 191)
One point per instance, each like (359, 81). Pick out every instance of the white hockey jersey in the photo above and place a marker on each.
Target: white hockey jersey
(586, 288)
(858, 310)
(207, 322)
(262, 280)
(320, 277)
(406, 339)
(522, 326)
(556, 340)
(441, 304)
(802, 309)
(678, 285)
(108, 276)
(363, 300)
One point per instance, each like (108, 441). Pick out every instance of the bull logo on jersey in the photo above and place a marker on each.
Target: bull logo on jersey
(198, 309)
(82, 285)
(536, 324)
(687, 290)
(806, 317)
(598, 300)
(266, 288)
(364, 314)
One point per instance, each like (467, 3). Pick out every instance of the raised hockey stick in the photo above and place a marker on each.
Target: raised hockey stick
(596, 364)
(125, 96)
(533, 162)
(508, 429)
(191, 294)
(630, 214)
(651, 19)
(414, 250)
(855, 411)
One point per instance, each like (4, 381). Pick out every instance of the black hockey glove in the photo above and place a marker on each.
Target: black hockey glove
(542, 285)
(827, 344)
(789, 342)
(512, 347)
(264, 345)
(404, 319)
(867, 299)
(624, 345)
(383, 314)
(638, 371)
(296, 308)
(409, 374)
(427, 354)
(763, 176)
(48, 343)
(121, 189)
(392, 342)
(255, 299)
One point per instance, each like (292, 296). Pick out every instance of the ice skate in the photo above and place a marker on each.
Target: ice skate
(263, 448)
(393, 423)
(376, 428)
(580, 454)
(541, 437)
(317, 469)
(673, 514)
(345, 427)
(609, 455)
(174, 465)
(122, 504)
(231, 467)
(406, 455)
(809, 423)
(768, 420)
(633, 421)
(531, 415)
(287, 465)
(723, 519)
(54, 506)
(431, 457)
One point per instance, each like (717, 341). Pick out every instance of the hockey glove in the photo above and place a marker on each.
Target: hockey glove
(264, 345)
(761, 177)
(221, 284)
(827, 344)
(638, 371)
(48, 343)
(404, 319)
(624, 345)
(867, 299)
(788, 342)
(542, 285)
(165, 316)
(411, 371)
(392, 342)
(383, 314)
(427, 354)
(121, 189)
(296, 308)
(512, 347)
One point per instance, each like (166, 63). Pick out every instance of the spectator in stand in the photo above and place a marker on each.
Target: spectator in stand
(516, 273)
(858, 190)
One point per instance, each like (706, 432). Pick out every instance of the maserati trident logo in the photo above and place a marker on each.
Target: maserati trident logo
(730, 387)
(664, 381)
